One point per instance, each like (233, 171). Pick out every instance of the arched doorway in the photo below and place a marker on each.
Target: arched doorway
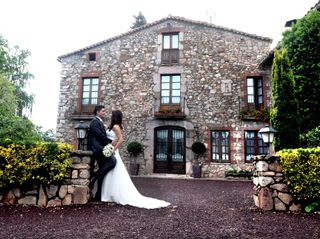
(169, 150)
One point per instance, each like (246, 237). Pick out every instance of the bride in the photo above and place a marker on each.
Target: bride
(117, 185)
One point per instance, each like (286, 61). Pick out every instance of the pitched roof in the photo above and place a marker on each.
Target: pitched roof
(267, 60)
(175, 18)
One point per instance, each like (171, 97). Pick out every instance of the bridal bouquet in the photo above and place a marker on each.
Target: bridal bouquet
(107, 150)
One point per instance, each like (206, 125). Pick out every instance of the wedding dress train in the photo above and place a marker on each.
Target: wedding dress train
(117, 187)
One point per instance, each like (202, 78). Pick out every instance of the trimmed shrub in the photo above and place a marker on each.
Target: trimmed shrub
(301, 168)
(134, 148)
(32, 164)
(198, 147)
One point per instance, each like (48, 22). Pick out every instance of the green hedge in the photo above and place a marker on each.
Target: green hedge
(301, 168)
(28, 164)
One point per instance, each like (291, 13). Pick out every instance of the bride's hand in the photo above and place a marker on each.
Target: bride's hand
(114, 142)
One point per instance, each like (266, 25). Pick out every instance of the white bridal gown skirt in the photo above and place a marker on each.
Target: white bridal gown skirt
(117, 187)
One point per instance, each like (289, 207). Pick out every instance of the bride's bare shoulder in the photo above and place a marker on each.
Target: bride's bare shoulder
(116, 128)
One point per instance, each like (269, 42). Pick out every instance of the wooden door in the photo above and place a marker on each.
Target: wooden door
(169, 153)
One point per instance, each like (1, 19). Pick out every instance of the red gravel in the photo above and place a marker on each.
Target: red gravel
(201, 209)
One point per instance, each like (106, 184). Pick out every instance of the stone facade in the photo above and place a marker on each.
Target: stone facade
(270, 192)
(73, 190)
(213, 65)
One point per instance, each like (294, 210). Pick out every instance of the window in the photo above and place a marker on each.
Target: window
(170, 89)
(170, 48)
(90, 88)
(254, 92)
(171, 41)
(92, 56)
(254, 145)
(220, 146)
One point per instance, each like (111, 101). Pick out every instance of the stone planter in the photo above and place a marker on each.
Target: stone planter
(196, 168)
(134, 168)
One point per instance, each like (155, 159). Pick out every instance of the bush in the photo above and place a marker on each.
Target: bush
(16, 130)
(134, 148)
(301, 168)
(198, 148)
(32, 164)
(311, 139)
(232, 172)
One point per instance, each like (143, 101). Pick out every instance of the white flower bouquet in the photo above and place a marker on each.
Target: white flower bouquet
(107, 150)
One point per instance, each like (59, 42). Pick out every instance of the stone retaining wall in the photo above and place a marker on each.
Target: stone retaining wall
(73, 190)
(270, 192)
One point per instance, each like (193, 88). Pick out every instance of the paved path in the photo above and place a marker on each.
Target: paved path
(200, 209)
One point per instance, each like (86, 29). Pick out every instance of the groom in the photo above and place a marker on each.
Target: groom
(97, 139)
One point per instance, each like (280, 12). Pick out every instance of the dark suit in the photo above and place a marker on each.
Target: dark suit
(97, 139)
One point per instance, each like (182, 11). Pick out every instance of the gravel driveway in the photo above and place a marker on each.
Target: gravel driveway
(200, 209)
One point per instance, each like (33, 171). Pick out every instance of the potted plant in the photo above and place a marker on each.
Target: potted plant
(134, 148)
(198, 148)
(173, 112)
(261, 114)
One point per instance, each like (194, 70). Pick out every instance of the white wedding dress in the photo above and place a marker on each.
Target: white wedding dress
(117, 186)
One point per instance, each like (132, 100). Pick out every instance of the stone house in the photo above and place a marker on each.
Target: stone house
(177, 81)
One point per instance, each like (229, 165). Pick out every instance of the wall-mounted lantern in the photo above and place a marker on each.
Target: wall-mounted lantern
(81, 131)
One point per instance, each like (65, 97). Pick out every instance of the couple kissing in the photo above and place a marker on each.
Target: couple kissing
(114, 182)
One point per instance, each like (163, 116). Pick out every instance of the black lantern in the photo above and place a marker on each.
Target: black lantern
(81, 130)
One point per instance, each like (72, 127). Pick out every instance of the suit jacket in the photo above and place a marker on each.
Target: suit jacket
(97, 136)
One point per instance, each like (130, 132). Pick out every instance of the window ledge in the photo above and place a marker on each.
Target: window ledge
(217, 163)
(170, 115)
(82, 117)
(253, 118)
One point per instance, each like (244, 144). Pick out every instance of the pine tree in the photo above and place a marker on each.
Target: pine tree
(140, 20)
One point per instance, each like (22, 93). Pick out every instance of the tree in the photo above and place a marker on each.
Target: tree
(14, 99)
(14, 67)
(284, 111)
(8, 100)
(302, 44)
(4, 56)
(140, 20)
(15, 129)
(47, 135)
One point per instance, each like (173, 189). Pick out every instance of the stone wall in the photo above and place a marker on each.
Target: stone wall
(73, 190)
(270, 192)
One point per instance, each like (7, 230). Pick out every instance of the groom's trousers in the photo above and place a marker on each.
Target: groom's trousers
(105, 165)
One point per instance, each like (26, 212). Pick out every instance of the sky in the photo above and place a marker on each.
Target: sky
(51, 28)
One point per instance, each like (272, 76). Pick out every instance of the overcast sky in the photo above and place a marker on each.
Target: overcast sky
(50, 28)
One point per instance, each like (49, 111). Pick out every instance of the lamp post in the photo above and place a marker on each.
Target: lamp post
(267, 133)
(81, 130)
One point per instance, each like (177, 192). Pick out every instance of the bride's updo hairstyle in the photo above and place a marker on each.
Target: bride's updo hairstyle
(116, 118)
